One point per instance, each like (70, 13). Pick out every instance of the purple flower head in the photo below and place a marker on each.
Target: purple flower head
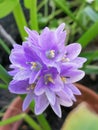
(26, 63)
(45, 69)
(49, 44)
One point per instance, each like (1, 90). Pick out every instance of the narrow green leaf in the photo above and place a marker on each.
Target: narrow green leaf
(81, 118)
(33, 15)
(27, 4)
(91, 13)
(93, 55)
(7, 6)
(96, 5)
(41, 119)
(89, 35)
(24, 116)
(4, 75)
(4, 46)
(3, 86)
(20, 20)
(91, 69)
(67, 11)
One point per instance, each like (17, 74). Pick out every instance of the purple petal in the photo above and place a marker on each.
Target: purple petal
(74, 76)
(18, 59)
(74, 89)
(60, 34)
(27, 100)
(13, 72)
(65, 103)
(34, 75)
(46, 38)
(41, 104)
(60, 28)
(22, 75)
(73, 50)
(57, 109)
(79, 61)
(69, 92)
(30, 53)
(50, 96)
(33, 36)
(40, 87)
(58, 85)
(64, 96)
(18, 87)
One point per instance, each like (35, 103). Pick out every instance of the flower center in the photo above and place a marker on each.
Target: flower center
(65, 59)
(35, 65)
(51, 54)
(31, 87)
(63, 79)
(48, 78)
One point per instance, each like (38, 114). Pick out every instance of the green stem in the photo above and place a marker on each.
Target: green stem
(43, 122)
(51, 16)
(24, 116)
(41, 119)
(5, 47)
(33, 15)
(4, 75)
(41, 4)
(32, 123)
(20, 20)
(46, 8)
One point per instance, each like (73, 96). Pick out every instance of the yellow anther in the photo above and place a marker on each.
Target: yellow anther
(31, 87)
(51, 53)
(34, 65)
(50, 79)
(63, 79)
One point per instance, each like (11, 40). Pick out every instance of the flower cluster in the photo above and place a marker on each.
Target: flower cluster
(45, 69)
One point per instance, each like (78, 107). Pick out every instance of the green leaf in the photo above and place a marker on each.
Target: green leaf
(4, 75)
(4, 46)
(93, 55)
(3, 86)
(20, 20)
(24, 116)
(96, 5)
(62, 4)
(91, 69)
(91, 13)
(89, 35)
(27, 4)
(89, 54)
(81, 118)
(7, 6)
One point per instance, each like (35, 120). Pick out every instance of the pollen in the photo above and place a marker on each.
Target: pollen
(51, 54)
(48, 79)
(63, 79)
(31, 87)
(65, 59)
(34, 65)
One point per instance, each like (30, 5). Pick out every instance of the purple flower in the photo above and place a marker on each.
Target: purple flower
(26, 63)
(49, 44)
(45, 69)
